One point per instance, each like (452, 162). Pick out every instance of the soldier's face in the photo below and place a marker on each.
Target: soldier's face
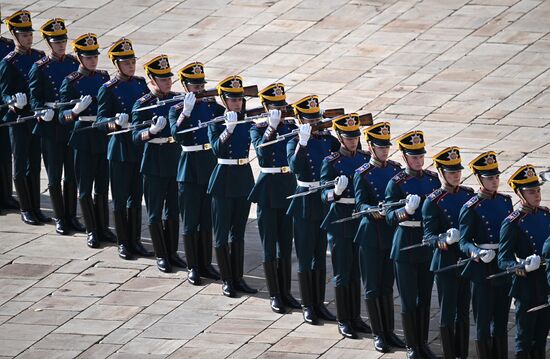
(381, 152)
(415, 162)
(196, 88)
(162, 84)
(90, 62)
(532, 196)
(351, 143)
(59, 47)
(234, 104)
(452, 177)
(24, 39)
(491, 183)
(127, 67)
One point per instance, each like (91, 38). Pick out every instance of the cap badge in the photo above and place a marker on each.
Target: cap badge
(163, 64)
(453, 155)
(56, 26)
(24, 18)
(90, 41)
(311, 103)
(415, 139)
(197, 69)
(278, 91)
(529, 172)
(126, 46)
(235, 84)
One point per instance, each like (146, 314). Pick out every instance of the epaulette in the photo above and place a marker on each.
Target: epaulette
(72, 57)
(394, 163)
(43, 61)
(262, 124)
(39, 52)
(473, 201)
(10, 56)
(111, 82)
(364, 152)
(74, 76)
(332, 156)
(467, 189)
(435, 194)
(140, 78)
(431, 173)
(102, 72)
(506, 196)
(400, 177)
(363, 168)
(145, 98)
(513, 216)
(5, 40)
(324, 133)
(544, 209)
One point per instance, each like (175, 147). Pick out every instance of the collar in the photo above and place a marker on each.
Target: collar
(448, 188)
(483, 193)
(22, 51)
(120, 76)
(413, 173)
(53, 57)
(84, 71)
(159, 95)
(377, 163)
(525, 208)
(345, 152)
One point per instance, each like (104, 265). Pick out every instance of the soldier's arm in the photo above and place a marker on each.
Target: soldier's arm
(467, 231)
(257, 138)
(509, 236)
(328, 174)
(66, 94)
(296, 155)
(395, 215)
(546, 255)
(219, 139)
(173, 116)
(431, 219)
(364, 197)
(140, 135)
(35, 87)
(5, 81)
(105, 110)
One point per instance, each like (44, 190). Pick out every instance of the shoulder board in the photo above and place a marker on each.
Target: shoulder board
(467, 189)
(72, 57)
(74, 76)
(544, 209)
(39, 52)
(6, 40)
(513, 216)
(332, 156)
(145, 98)
(324, 133)
(178, 106)
(506, 196)
(435, 194)
(394, 163)
(363, 168)
(367, 153)
(11, 56)
(43, 61)
(102, 72)
(261, 124)
(430, 173)
(111, 82)
(400, 176)
(473, 201)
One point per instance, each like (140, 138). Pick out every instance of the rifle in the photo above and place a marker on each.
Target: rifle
(313, 189)
(132, 128)
(427, 242)
(95, 125)
(287, 111)
(381, 207)
(20, 119)
(512, 269)
(222, 119)
(460, 263)
(539, 307)
(544, 176)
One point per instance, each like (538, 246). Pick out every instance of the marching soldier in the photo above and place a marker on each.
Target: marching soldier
(546, 255)
(159, 165)
(480, 220)
(340, 166)
(115, 100)
(440, 220)
(196, 164)
(374, 236)
(273, 185)
(14, 77)
(414, 279)
(522, 237)
(90, 145)
(229, 186)
(45, 78)
(305, 157)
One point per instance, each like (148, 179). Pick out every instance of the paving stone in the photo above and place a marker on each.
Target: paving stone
(10, 347)
(107, 275)
(89, 326)
(303, 345)
(109, 312)
(67, 341)
(150, 285)
(131, 298)
(24, 332)
(45, 317)
(85, 289)
(99, 351)
(26, 271)
(46, 353)
(60, 302)
(151, 346)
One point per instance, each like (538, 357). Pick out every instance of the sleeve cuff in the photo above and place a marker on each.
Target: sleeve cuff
(225, 136)
(402, 215)
(269, 133)
(69, 116)
(146, 135)
(112, 126)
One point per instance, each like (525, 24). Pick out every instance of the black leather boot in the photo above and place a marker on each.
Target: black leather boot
(206, 269)
(237, 265)
(190, 244)
(355, 308)
(27, 214)
(306, 292)
(388, 319)
(375, 316)
(411, 335)
(69, 200)
(523, 355)
(343, 313)
(423, 317)
(121, 228)
(88, 213)
(500, 347)
(171, 234)
(159, 245)
(273, 287)
(134, 233)
(224, 263)
(33, 181)
(462, 338)
(102, 214)
(538, 353)
(483, 348)
(58, 209)
(6, 185)
(284, 271)
(319, 287)
(447, 342)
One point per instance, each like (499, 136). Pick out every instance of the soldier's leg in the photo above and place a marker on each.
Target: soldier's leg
(541, 330)
(482, 308)
(134, 211)
(120, 175)
(355, 292)
(53, 155)
(407, 283)
(221, 215)
(205, 235)
(6, 172)
(189, 197)
(303, 231)
(241, 210)
(386, 299)
(69, 190)
(501, 310)
(320, 272)
(425, 285)
(284, 265)
(341, 267)
(19, 145)
(268, 228)
(447, 293)
(525, 330)
(33, 175)
(171, 220)
(101, 198)
(462, 322)
(154, 203)
(84, 168)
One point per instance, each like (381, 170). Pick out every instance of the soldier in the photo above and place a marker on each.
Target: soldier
(340, 166)
(414, 279)
(440, 219)
(159, 165)
(273, 185)
(115, 99)
(374, 236)
(229, 186)
(522, 237)
(480, 220)
(305, 156)
(196, 164)
(45, 78)
(90, 145)
(14, 76)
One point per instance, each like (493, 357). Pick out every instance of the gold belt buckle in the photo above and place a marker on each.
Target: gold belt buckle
(206, 146)
(242, 161)
(285, 169)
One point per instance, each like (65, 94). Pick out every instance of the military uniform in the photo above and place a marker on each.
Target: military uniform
(440, 217)
(546, 255)
(45, 78)
(229, 186)
(522, 236)
(374, 239)
(159, 169)
(273, 185)
(480, 219)
(90, 145)
(196, 164)
(116, 98)
(345, 253)
(309, 211)
(14, 79)
(414, 279)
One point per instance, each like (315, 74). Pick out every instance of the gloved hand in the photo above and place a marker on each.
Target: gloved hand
(487, 255)
(122, 119)
(274, 118)
(413, 201)
(231, 118)
(304, 134)
(189, 103)
(453, 236)
(157, 125)
(20, 100)
(341, 185)
(47, 115)
(532, 263)
(85, 101)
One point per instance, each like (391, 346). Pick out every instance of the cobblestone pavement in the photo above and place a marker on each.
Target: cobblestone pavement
(469, 73)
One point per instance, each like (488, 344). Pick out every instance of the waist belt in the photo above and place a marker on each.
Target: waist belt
(161, 140)
(416, 224)
(233, 161)
(487, 245)
(308, 184)
(346, 201)
(284, 169)
(196, 148)
(87, 118)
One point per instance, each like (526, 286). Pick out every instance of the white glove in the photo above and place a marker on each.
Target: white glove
(85, 101)
(413, 201)
(341, 185)
(47, 115)
(304, 134)
(20, 100)
(122, 119)
(189, 103)
(274, 118)
(231, 118)
(158, 125)
(487, 255)
(453, 236)
(532, 263)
